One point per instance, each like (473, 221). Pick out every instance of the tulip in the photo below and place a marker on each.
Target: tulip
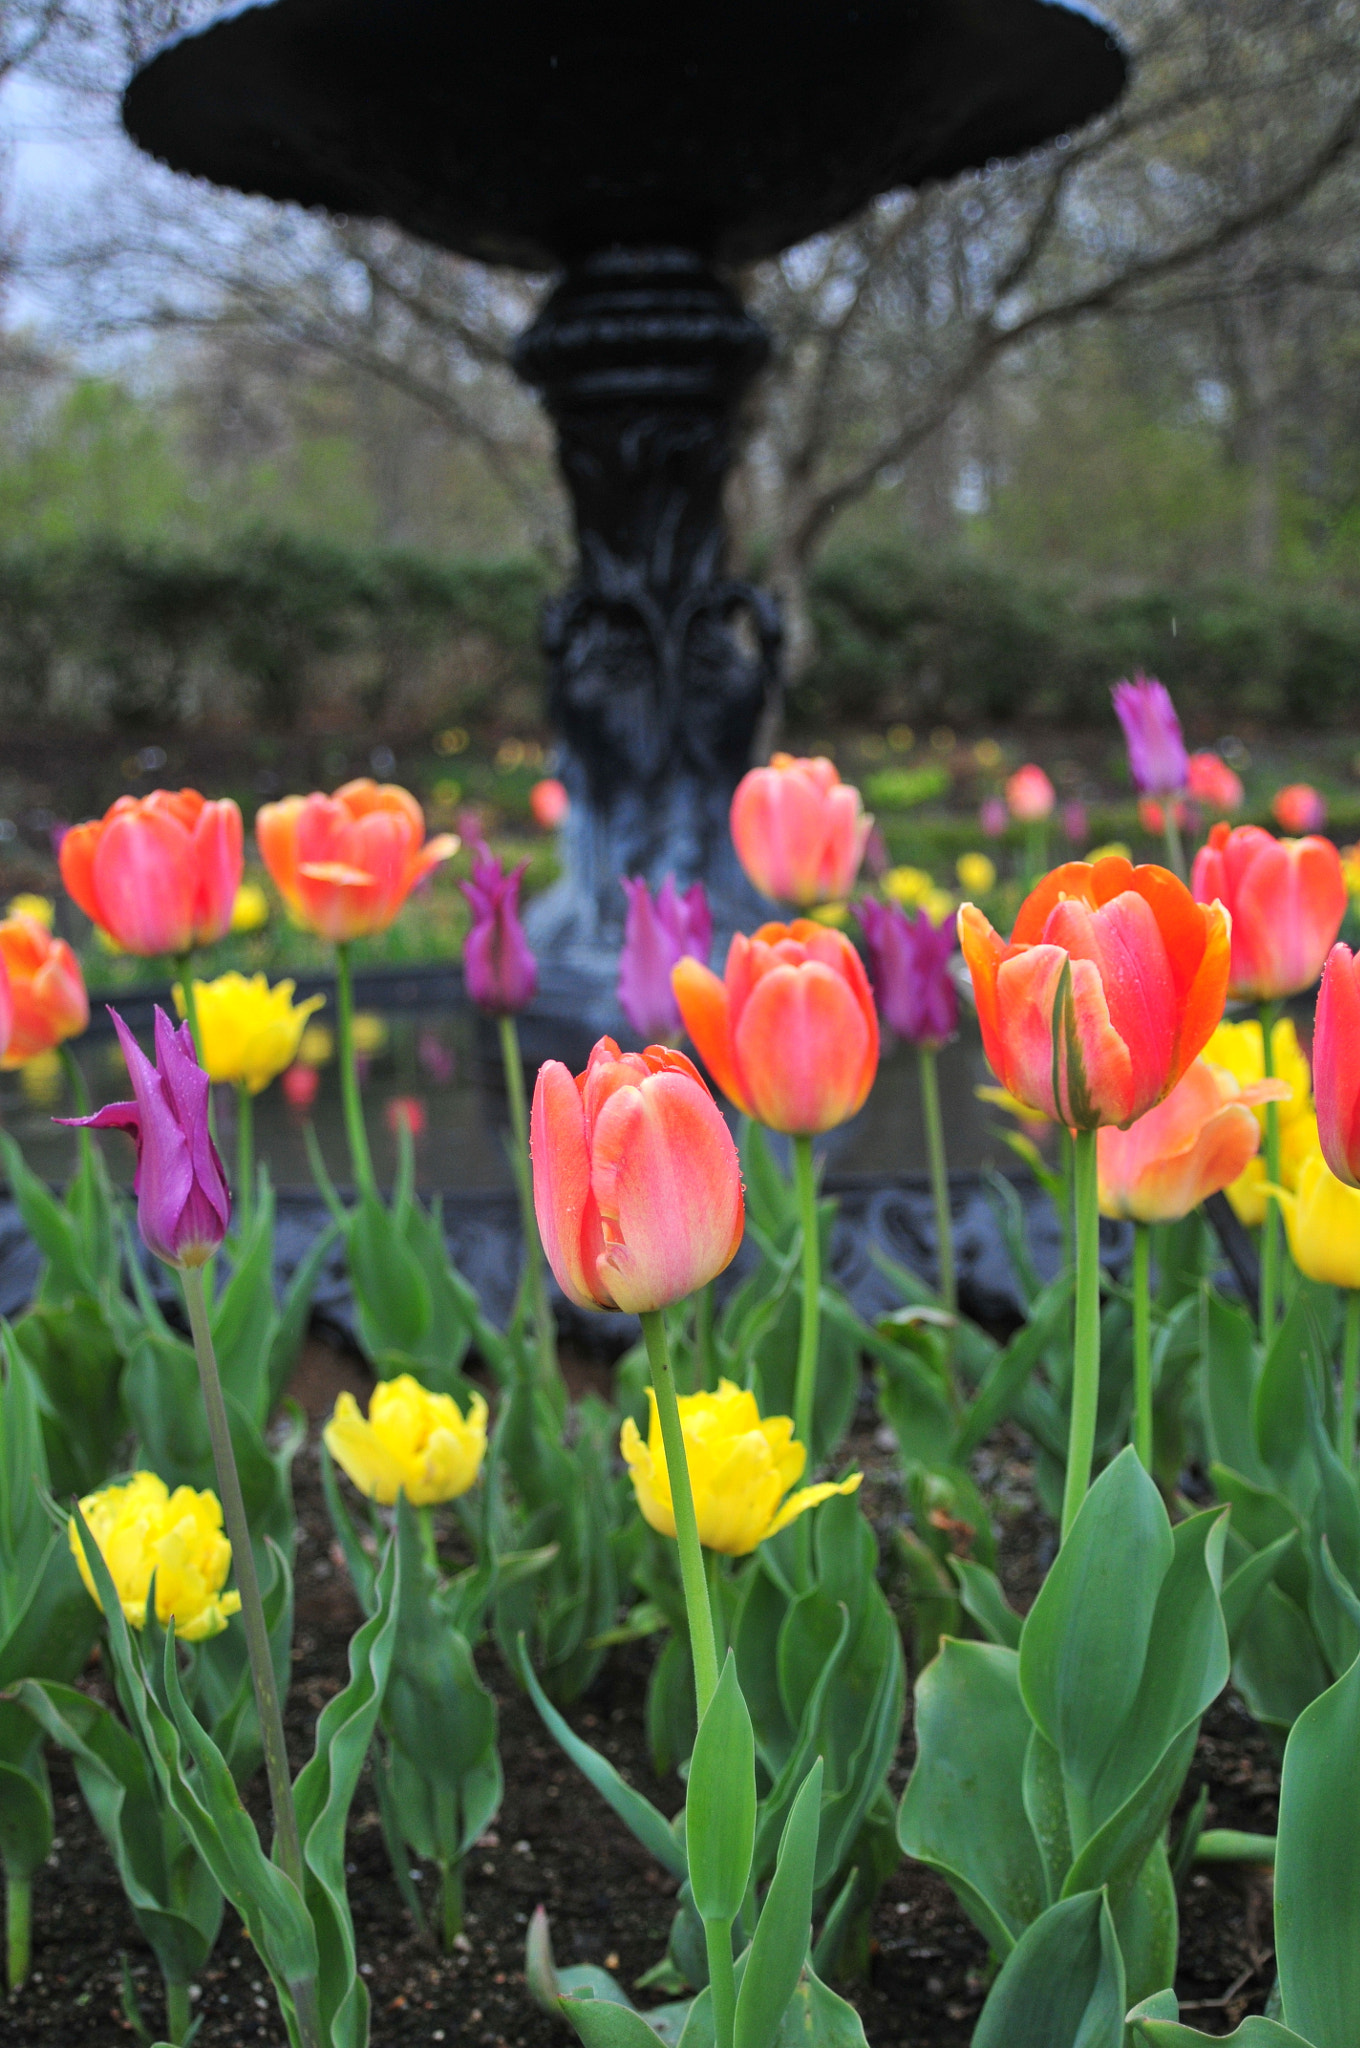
(1286, 898)
(406, 1113)
(909, 968)
(1211, 782)
(1336, 1064)
(46, 990)
(159, 873)
(1111, 984)
(549, 803)
(1113, 980)
(1152, 734)
(300, 1086)
(790, 1033)
(499, 970)
(40, 908)
(976, 873)
(1075, 823)
(740, 1468)
(345, 864)
(1299, 808)
(1192, 1145)
(250, 911)
(183, 1206)
(637, 1187)
(656, 935)
(800, 832)
(1322, 1217)
(250, 1031)
(1030, 796)
(413, 1442)
(144, 1530)
(993, 817)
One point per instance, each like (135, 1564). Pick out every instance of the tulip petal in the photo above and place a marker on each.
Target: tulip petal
(704, 1006)
(75, 857)
(810, 1497)
(804, 1049)
(142, 877)
(1336, 1065)
(665, 1176)
(1063, 1055)
(568, 1218)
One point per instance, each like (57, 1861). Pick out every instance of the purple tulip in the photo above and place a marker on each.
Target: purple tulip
(1075, 824)
(994, 817)
(1158, 761)
(499, 971)
(655, 936)
(183, 1205)
(909, 968)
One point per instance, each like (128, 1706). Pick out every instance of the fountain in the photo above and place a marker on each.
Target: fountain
(641, 156)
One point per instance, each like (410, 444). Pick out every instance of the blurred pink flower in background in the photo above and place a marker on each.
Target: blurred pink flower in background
(407, 1110)
(1213, 783)
(549, 803)
(435, 1058)
(1030, 795)
(299, 1084)
(1299, 808)
(993, 816)
(1075, 824)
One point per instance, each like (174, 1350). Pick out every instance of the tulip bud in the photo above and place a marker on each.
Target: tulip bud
(657, 935)
(637, 1187)
(1030, 796)
(499, 970)
(1213, 783)
(1299, 808)
(183, 1206)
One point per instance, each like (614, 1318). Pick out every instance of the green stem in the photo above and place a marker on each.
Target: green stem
(1171, 832)
(245, 1157)
(1142, 1345)
(805, 1384)
(1081, 1438)
(716, 1605)
(184, 969)
(257, 1633)
(722, 1980)
(451, 1900)
(429, 1550)
(178, 2011)
(1350, 1378)
(360, 1158)
(703, 1339)
(703, 1646)
(1270, 1229)
(75, 1081)
(545, 1328)
(939, 1188)
(18, 1929)
(80, 1096)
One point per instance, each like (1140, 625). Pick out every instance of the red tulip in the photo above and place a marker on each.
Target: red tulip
(637, 1186)
(790, 1033)
(799, 831)
(300, 1085)
(1336, 1065)
(158, 873)
(46, 986)
(1286, 898)
(1214, 784)
(1111, 984)
(1192, 1145)
(345, 864)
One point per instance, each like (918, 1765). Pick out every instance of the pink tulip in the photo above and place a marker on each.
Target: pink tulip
(158, 873)
(1286, 898)
(1030, 796)
(1299, 808)
(1192, 1145)
(799, 831)
(549, 803)
(1213, 784)
(1336, 1064)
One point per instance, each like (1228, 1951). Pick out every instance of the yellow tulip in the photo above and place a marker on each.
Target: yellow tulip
(40, 908)
(413, 1442)
(1323, 1221)
(370, 1033)
(316, 1047)
(1298, 1141)
(251, 1031)
(1238, 1048)
(976, 873)
(938, 905)
(908, 886)
(740, 1470)
(250, 910)
(41, 1078)
(142, 1528)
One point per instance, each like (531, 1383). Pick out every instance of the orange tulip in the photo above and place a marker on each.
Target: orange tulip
(47, 989)
(790, 1034)
(1192, 1145)
(800, 832)
(637, 1186)
(345, 864)
(1286, 898)
(158, 873)
(1111, 984)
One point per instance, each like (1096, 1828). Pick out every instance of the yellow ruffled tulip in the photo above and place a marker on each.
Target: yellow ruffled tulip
(1298, 1141)
(414, 1442)
(142, 1528)
(1238, 1047)
(740, 1470)
(251, 1031)
(1322, 1217)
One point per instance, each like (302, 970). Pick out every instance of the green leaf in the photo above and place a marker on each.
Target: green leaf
(1317, 1869)
(1010, 1372)
(982, 1597)
(50, 1225)
(1228, 1339)
(963, 1812)
(77, 1365)
(1279, 1666)
(1283, 1397)
(25, 1800)
(638, 1815)
(1244, 1588)
(780, 1942)
(1062, 1985)
(604, 2023)
(1155, 2024)
(720, 1805)
(391, 1293)
(244, 1320)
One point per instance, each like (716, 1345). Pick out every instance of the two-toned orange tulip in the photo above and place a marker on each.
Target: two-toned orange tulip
(1286, 898)
(157, 873)
(46, 987)
(1336, 1065)
(800, 832)
(637, 1185)
(790, 1033)
(345, 864)
(1192, 1145)
(1113, 979)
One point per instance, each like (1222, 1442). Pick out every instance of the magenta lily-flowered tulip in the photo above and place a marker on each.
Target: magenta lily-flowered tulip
(1158, 761)
(655, 936)
(183, 1204)
(499, 971)
(909, 970)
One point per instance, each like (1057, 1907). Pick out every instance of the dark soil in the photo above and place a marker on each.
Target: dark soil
(555, 1844)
